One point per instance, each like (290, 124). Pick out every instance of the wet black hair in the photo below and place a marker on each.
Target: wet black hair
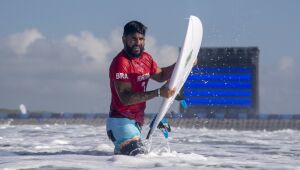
(134, 27)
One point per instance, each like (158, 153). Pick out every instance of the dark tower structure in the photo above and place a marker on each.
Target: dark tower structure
(224, 84)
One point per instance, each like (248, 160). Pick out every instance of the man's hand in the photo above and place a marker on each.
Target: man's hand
(166, 92)
(196, 62)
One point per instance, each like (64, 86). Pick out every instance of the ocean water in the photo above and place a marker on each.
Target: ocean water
(80, 147)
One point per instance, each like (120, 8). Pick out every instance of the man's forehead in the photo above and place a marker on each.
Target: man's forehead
(136, 35)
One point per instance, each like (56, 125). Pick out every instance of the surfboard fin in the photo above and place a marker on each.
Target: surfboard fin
(163, 125)
(183, 104)
(180, 98)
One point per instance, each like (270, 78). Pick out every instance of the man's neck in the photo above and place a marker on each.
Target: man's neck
(131, 56)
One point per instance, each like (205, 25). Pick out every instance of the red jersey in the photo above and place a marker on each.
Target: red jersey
(137, 71)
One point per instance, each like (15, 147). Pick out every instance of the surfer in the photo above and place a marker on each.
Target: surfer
(129, 74)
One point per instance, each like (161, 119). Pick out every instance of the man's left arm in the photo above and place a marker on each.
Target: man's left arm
(163, 74)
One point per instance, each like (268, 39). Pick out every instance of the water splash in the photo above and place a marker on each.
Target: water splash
(160, 145)
(23, 109)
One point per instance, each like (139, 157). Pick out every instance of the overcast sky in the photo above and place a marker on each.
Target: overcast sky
(55, 54)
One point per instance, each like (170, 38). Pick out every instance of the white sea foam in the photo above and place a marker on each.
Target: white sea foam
(87, 147)
(60, 142)
(39, 147)
(37, 128)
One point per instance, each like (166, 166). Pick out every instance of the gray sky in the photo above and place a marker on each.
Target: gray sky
(55, 54)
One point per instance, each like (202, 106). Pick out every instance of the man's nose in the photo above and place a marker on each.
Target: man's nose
(138, 42)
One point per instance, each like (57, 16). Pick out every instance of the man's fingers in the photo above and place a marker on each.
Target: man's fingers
(195, 62)
(166, 92)
(174, 89)
(171, 92)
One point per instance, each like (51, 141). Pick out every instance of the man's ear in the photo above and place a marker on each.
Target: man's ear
(123, 39)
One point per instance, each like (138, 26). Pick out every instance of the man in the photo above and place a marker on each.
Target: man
(129, 73)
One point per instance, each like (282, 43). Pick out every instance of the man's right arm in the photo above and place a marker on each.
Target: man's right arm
(128, 97)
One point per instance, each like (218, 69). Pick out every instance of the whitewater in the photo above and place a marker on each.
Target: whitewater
(81, 147)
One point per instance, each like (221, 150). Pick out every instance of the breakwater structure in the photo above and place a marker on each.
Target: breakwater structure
(268, 122)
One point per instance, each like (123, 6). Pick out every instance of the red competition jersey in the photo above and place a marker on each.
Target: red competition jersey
(137, 71)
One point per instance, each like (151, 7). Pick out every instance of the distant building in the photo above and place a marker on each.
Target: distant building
(224, 84)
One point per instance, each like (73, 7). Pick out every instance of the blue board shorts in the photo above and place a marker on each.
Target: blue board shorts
(125, 134)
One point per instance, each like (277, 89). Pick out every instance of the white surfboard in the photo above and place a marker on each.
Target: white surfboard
(183, 67)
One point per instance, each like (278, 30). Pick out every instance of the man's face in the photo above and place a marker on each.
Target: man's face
(134, 44)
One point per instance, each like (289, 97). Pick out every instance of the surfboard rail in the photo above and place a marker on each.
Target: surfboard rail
(183, 67)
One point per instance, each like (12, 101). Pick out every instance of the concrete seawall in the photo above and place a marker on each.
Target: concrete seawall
(246, 124)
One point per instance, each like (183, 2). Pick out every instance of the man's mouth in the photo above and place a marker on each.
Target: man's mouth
(135, 48)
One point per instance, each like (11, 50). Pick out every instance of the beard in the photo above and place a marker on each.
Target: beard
(131, 50)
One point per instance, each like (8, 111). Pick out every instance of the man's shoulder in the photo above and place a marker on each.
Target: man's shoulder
(121, 58)
(145, 53)
(147, 56)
